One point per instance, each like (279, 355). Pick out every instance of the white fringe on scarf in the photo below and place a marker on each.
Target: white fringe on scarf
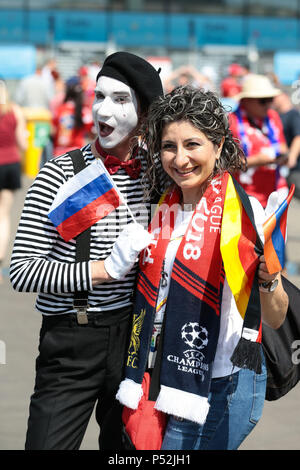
(129, 393)
(170, 400)
(182, 404)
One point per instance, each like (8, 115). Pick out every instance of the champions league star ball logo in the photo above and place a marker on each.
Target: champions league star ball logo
(194, 335)
(192, 360)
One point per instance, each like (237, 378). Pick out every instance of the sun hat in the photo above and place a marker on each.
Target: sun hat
(257, 86)
(135, 72)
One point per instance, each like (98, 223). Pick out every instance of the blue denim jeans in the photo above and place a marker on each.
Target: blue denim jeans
(236, 404)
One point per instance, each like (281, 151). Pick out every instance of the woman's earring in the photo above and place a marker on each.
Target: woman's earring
(217, 164)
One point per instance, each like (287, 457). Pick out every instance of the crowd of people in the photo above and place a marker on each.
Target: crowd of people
(173, 145)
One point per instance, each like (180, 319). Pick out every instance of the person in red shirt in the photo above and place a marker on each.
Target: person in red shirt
(260, 131)
(72, 121)
(13, 141)
(232, 84)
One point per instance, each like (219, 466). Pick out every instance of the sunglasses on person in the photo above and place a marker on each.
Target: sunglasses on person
(265, 100)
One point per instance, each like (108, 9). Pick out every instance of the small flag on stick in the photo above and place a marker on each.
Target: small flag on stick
(275, 234)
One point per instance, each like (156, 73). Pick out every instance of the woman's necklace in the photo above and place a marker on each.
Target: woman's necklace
(164, 275)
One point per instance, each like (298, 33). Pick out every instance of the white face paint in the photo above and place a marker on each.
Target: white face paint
(115, 111)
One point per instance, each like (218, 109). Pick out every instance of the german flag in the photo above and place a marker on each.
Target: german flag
(240, 244)
(275, 235)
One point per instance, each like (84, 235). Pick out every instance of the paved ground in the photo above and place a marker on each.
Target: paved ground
(279, 427)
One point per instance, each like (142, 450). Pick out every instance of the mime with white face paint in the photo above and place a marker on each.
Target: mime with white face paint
(115, 114)
(80, 366)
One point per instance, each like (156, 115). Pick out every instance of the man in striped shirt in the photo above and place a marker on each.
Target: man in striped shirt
(80, 365)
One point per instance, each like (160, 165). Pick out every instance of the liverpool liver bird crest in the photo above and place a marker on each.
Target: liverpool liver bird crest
(138, 319)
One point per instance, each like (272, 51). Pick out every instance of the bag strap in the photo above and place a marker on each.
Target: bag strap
(80, 301)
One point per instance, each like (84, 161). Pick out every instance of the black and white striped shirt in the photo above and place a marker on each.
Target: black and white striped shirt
(43, 262)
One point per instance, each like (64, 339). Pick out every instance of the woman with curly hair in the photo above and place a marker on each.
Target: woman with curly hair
(203, 282)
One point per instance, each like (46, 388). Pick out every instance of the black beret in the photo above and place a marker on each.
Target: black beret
(134, 72)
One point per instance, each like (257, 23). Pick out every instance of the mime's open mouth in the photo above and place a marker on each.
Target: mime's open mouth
(104, 129)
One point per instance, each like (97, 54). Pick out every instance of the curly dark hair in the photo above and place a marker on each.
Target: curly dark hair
(203, 110)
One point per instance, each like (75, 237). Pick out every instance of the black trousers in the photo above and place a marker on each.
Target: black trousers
(78, 367)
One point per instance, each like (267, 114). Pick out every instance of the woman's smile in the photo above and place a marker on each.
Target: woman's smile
(186, 172)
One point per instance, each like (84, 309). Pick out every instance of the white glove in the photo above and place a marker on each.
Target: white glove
(132, 240)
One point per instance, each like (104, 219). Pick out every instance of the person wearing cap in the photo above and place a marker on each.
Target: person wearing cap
(80, 363)
(260, 131)
(232, 84)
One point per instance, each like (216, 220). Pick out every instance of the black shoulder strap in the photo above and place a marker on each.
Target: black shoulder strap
(83, 239)
(78, 160)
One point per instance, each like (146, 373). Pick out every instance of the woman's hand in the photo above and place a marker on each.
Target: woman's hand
(263, 273)
(274, 304)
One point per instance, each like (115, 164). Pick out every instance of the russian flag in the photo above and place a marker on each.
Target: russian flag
(275, 233)
(84, 199)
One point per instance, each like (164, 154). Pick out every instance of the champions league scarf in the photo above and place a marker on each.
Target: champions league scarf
(220, 236)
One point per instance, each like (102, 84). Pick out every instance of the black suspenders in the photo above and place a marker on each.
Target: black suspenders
(80, 302)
